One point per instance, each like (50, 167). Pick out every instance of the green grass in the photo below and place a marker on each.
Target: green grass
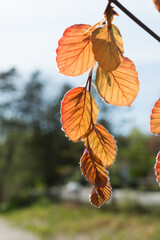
(72, 220)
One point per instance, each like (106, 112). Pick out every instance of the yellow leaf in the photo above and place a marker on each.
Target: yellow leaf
(107, 47)
(119, 87)
(79, 112)
(155, 118)
(101, 145)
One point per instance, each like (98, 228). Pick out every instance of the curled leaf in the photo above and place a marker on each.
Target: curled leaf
(99, 195)
(109, 13)
(157, 4)
(119, 87)
(74, 52)
(107, 47)
(78, 113)
(155, 118)
(95, 199)
(105, 193)
(93, 170)
(157, 167)
(101, 145)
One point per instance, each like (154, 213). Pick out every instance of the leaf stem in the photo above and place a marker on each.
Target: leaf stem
(89, 80)
(136, 20)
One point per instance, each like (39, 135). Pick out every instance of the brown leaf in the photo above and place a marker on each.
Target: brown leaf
(99, 195)
(93, 170)
(107, 47)
(105, 193)
(95, 199)
(157, 167)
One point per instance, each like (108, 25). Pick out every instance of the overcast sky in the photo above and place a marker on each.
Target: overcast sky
(30, 30)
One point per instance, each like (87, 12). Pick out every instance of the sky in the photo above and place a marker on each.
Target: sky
(30, 30)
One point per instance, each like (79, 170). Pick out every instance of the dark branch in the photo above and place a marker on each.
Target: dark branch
(129, 14)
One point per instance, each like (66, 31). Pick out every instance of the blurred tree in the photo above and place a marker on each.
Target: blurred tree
(135, 160)
(33, 150)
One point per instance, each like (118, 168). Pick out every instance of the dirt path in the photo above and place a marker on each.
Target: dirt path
(8, 232)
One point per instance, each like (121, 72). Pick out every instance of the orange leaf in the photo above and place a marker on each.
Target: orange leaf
(157, 3)
(93, 170)
(79, 112)
(105, 193)
(157, 167)
(95, 199)
(99, 195)
(101, 145)
(107, 47)
(74, 52)
(155, 118)
(119, 87)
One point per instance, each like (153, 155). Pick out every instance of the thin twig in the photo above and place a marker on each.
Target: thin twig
(129, 14)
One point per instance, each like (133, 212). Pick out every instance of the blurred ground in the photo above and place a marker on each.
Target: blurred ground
(75, 221)
(8, 232)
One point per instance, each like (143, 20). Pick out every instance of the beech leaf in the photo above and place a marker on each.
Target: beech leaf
(107, 47)
(157, 167)
(78, 113)
(93, 170)
(119, 87)
(105, 193)
(157, 4)
(155, 118)
(74, 52)
(101, 145)
(99, 195)
(95, 199)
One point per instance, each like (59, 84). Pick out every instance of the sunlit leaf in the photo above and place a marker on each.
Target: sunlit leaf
(105, 193)
(157, 167)
(99, 195)
(157, 3)
(119, 87)
(101, 145)
(155, 118)
(79, 112)
(74, 52)
(93, 170)
(107, 47)
(95, 199)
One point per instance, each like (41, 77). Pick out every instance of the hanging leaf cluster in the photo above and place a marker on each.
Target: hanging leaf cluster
(79, 49)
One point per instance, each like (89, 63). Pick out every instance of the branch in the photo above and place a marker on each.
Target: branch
(129, 14)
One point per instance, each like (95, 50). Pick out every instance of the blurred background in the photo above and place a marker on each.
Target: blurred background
(42, 189)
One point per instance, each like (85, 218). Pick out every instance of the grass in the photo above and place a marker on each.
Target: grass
(72, 221)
